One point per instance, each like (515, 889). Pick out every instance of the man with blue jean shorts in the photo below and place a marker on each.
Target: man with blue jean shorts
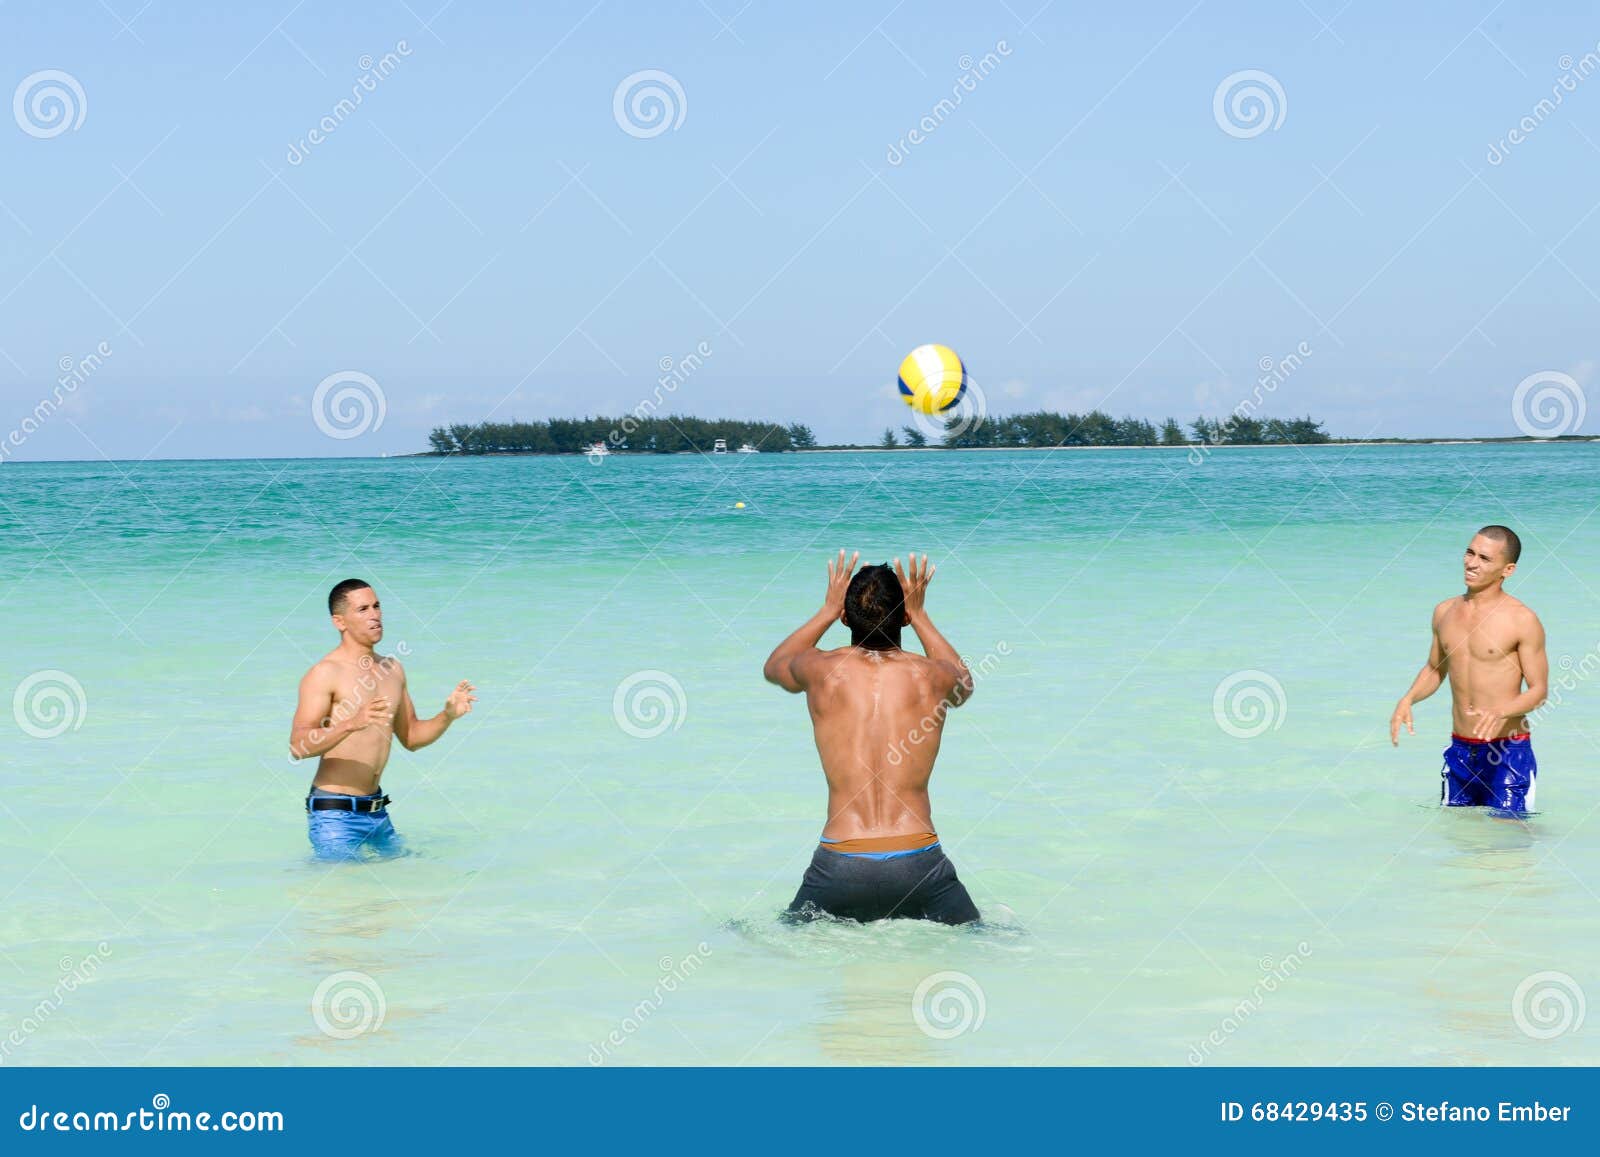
(1491, 648)
(353, 705)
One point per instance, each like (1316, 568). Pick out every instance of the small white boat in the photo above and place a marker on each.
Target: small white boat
(598, 450)
(748, 449)
(720, 446)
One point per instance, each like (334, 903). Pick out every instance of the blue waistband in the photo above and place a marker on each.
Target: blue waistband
(880, 855)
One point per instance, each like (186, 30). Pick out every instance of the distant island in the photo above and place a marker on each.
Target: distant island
(1037, 430)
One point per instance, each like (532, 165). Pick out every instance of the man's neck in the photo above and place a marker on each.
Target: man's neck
(354, 652)
(1488, 596)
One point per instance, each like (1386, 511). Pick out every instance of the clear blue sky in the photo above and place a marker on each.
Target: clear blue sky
(481, 237)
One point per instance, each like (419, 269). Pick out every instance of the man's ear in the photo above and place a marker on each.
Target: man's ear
(844, 617)
(1511, 568)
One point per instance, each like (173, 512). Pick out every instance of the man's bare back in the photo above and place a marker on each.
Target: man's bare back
(878, 718)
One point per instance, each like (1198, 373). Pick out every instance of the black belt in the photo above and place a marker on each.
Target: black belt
(345, 803)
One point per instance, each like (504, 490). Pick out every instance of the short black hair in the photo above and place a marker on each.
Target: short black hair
(874, 608)
(339, 594)
(1504, 534)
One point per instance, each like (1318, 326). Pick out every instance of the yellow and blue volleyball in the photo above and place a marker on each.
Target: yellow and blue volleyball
(932, 379)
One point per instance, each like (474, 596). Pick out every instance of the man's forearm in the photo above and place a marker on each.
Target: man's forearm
(1428, 681)
(1528, 701)
(318, 740)
(936, 645)
(427, 730)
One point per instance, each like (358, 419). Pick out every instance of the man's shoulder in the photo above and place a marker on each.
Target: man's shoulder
(324, 670)
(1521, 611)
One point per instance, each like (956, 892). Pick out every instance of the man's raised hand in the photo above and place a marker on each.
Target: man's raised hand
(916, 583)
(839, 573)
(461, 700)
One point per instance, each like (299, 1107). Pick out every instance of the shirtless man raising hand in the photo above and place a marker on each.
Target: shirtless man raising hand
(878, 712)
(1491, 648)
(353, 705)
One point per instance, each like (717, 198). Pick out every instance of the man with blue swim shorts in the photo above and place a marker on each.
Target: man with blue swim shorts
(878, 712)
(1491, 648)
(353, 705)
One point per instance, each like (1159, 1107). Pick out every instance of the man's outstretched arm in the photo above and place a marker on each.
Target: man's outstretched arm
(934, 644)
(414, 733)
(781, 666)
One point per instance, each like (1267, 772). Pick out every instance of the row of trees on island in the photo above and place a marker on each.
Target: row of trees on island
(676, 435)
(1097, 428)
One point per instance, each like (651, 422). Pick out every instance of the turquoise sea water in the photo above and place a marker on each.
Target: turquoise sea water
(1162, 888)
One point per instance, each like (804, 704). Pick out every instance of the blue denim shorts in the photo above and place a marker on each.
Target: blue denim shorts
(338, 834)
